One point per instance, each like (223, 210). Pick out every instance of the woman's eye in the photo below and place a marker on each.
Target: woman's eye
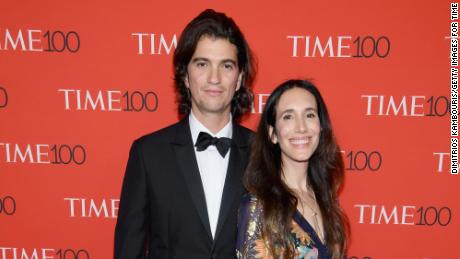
(311, 115)
(287, 117)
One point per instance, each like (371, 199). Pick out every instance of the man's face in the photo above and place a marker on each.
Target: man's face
(213, 76)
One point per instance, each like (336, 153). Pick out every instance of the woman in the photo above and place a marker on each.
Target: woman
(294, 176)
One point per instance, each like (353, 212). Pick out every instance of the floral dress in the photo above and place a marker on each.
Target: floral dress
(250, 244)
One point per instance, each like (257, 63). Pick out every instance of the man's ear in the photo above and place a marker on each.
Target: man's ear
(240, 79)
(272, 135)
(186, 82)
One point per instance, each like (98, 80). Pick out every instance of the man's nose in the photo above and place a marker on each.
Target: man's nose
(214, 75)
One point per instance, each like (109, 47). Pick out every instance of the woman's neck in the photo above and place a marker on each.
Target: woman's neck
(295, 175)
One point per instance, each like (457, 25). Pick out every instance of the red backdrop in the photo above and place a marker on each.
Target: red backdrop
(79, 81)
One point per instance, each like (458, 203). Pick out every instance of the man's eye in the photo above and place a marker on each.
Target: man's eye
(228, 66)
(200, 64)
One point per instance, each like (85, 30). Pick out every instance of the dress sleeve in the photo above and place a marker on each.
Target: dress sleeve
(250, 244)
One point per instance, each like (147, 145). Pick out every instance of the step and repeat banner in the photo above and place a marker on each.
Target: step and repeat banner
(80, 80)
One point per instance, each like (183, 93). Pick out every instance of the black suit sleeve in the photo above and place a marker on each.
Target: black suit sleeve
(131, 229)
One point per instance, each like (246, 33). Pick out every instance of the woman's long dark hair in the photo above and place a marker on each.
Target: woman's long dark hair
(325, 171)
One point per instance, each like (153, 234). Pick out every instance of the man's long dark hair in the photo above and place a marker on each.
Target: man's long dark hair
(212, 24)
(325, 171)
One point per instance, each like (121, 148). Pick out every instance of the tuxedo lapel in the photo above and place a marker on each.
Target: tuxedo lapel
(186, 159)
(235, 170)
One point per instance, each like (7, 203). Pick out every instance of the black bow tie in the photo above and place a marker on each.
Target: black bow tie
(204, 140)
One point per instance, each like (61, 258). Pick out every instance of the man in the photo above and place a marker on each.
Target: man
(182, 186)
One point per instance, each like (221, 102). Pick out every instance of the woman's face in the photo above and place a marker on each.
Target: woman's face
(297, 127)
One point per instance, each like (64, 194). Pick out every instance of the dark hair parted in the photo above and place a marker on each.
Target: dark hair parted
(213, 24)
(325, 171)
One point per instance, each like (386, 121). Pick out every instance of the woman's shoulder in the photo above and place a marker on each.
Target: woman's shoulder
(250, 204)
(249, 200)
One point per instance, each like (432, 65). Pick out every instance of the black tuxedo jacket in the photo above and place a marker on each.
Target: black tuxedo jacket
(162, 211)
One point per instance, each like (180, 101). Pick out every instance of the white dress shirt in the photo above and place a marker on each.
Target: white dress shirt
(212, 167)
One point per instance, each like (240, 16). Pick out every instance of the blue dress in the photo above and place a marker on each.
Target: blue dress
(251, 245)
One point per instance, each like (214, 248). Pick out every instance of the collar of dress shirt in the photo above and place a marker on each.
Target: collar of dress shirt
(196, 127)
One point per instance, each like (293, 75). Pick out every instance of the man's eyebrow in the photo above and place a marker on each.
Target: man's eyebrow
(229, 61)
(197, 59)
